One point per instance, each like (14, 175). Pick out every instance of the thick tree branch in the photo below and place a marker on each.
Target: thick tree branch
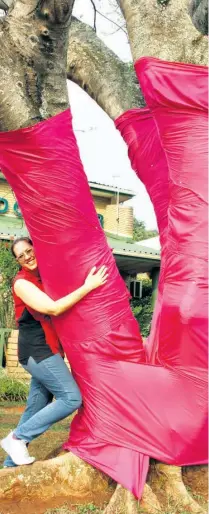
(34, 42)
(163, 31)
(93, 66)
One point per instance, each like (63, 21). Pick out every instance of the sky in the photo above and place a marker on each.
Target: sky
(103, 152)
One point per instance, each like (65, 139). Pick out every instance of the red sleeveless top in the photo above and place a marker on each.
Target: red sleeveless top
(51, 337)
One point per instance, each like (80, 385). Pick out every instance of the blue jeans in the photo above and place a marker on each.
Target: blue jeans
(50, 378)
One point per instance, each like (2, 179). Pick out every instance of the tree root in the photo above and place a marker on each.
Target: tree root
(167, 482)
(118, 502)
(149, 502)
(196, 480)
(68, 477)
(65, 476)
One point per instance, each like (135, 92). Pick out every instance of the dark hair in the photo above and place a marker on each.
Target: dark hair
(18, 240)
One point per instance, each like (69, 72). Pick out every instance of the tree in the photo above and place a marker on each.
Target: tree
(37, 48)
(28, 46)
(140, 231)
(142, 308)
(8, 269)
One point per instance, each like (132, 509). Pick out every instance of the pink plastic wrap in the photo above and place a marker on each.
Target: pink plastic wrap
(177, 95)
(148, 160)
(132, 409)
(43, 166)
(167, 144)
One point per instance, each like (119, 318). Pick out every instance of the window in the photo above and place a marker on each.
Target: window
(101, 219)
(136, 289)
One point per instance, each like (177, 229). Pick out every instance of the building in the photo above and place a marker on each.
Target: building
(152, 242)
(115, 217)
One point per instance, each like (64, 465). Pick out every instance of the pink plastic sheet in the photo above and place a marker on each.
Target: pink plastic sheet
(132, 409)
(43, 166)
(148, 160)
(167, 144)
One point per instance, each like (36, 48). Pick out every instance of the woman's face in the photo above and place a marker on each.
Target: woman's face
(25, 255)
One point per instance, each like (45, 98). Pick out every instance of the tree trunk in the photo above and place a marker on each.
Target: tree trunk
(33, 63)
(34, 41)
(101, 73)
(157, 28)
(67, 478)
(163, 29)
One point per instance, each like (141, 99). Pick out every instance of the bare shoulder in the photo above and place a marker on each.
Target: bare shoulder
(21, 284)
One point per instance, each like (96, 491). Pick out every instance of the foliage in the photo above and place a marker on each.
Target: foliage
(146, 287)
(8, 269)
(86, 509)
(81, 509)
(12, 389)
(142, 308)
(140, 231)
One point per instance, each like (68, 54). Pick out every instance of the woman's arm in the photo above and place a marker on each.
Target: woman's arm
(41, 302)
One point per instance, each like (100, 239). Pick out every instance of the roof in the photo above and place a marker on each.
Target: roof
(132, 258)
(132, 247)
(109, 191)
(12, 227)
(152, 242)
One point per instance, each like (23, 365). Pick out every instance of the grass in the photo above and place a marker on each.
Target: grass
(40, 447)
(8, 404)
(12, 389)
(79, 509)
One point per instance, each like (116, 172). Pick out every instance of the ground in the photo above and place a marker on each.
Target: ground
(41, 448)
(53, 439)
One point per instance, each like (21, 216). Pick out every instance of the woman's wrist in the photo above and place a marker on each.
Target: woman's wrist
(87, 289)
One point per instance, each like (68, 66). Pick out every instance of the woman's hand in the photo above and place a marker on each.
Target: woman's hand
(96, 278)
(32, 296)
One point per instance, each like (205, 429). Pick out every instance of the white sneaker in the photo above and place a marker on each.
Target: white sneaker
(17, 450)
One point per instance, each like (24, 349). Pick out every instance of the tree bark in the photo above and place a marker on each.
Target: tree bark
(164, 30)
(66, 477)
(155, 28)
(100, 72)
(34, 41)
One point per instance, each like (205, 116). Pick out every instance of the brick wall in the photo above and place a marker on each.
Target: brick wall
(13, 367)
(101, 204)
(123, 227)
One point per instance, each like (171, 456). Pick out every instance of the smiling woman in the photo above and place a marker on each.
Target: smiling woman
(22, 250)
(40, 352)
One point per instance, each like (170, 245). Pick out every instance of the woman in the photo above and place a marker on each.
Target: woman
(40, 353)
